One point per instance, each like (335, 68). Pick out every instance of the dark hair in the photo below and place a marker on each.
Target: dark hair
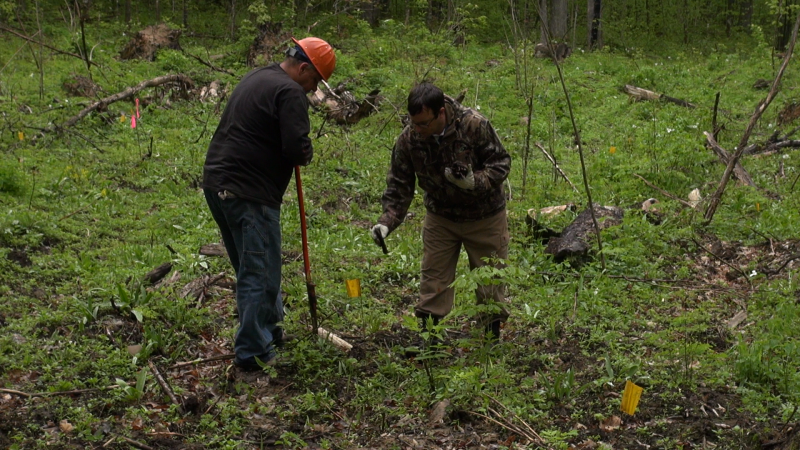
(298, 54)
(425, 95)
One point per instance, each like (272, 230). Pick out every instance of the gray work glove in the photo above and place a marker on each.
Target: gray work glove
(378, 233)
(464, 181)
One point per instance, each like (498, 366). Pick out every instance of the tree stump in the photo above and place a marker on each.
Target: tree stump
(80, 86)
(147, 42)
(267, 45)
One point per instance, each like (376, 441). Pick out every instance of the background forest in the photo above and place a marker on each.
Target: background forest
(117, 311)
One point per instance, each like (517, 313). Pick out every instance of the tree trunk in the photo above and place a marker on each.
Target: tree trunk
(370, 12)
(158, 11)
(436, 9)
(127, 11)
(185, 14)
(559, 20)
(594, 35)
(233, 20)
(745, 13)
(543, 18)
(785, 22)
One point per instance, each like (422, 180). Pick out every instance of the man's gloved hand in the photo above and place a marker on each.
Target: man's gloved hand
(464, 181)
(378, 233)
(308, 155)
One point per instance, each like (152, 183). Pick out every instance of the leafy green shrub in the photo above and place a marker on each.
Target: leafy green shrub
(9, 179)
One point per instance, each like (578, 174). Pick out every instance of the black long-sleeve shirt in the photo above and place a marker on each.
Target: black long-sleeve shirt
(262, 135)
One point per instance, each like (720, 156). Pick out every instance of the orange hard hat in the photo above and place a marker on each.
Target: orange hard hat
(320, 53)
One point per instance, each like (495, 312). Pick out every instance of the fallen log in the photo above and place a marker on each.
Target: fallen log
(155, 275)
(215, 249)
(181, 79)
(574, 241)
(639, 94)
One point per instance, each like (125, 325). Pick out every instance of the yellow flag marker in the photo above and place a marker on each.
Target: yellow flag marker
(630, 398)
(758, 207)
(612, 150)
(353, 288)
(21, 135)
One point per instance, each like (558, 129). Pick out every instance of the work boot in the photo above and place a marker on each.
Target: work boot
(280, 337)
(492, 331)
(434, 342)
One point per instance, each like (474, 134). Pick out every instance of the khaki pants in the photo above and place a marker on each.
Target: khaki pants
(442, 240)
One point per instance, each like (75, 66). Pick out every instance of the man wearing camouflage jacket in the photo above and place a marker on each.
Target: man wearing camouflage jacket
(458, 160)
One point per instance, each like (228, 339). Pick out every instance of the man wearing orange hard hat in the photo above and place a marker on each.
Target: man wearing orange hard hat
(261, 136)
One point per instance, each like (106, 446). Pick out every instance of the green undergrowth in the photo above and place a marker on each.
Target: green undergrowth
(84, 214)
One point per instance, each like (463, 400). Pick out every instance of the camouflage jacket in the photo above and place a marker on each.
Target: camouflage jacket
(468, 139)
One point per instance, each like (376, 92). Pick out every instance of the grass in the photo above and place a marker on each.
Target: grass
(85, 214)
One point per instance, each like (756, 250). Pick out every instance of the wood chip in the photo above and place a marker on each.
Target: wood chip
(734, 321)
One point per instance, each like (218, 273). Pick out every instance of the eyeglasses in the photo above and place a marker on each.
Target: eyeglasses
(424, 124)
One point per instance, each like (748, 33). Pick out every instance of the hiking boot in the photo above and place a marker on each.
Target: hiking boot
(492, 331)
(252, 365)
(283, 338)
(432, 344)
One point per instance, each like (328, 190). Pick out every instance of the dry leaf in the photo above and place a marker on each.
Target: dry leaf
(438, 412)
(137, 424)
(134, 349)
(611, 424)
(65, 426)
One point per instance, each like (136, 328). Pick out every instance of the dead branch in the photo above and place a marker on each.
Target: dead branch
(785, 263)
(771, 147)
(722, 260)
(640, 94)
(54, 394)
(740, 172)
(531, 430)
(135, 444)
(163, 383)
(208, 64)
(667, 194)
(553, 162)
(203, 360)
(62, 52)
(155, 275)
(127, 93)
(726, 176)
(334, 339)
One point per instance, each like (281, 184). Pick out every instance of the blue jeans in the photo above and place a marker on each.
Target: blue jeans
(251, 233)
